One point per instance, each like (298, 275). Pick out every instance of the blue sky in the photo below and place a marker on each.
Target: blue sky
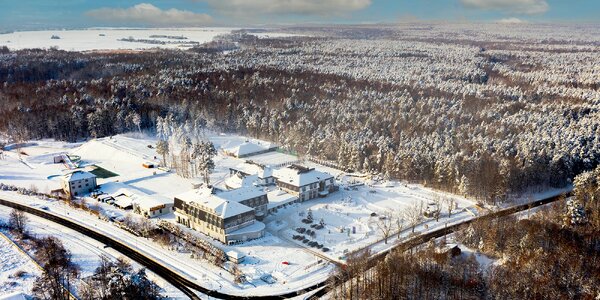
(35, 14)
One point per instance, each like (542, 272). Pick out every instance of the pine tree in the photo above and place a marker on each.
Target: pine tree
(464, 186)
(205, 160)
(162, 148)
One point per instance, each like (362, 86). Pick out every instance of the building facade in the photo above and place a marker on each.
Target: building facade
(226, 216)
(78, 183)
(305, 183)
(153, 205)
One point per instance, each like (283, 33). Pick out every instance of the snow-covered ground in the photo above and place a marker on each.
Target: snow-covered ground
(349, 225)
(107, 38)
(17, 271)
(111, 38)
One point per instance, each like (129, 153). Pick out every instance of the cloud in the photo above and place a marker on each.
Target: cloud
(511, 21)
(291, 7)
(529, 7)
(148, 14)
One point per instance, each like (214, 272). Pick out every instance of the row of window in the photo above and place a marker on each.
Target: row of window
(79, 186)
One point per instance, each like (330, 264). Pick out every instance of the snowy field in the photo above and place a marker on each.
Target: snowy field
(17, 271)
(108, 38)
(111, 38)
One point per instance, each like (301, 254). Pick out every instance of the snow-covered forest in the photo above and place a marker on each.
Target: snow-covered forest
(485, 110)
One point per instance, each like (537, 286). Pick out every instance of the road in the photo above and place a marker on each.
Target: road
(187, 286)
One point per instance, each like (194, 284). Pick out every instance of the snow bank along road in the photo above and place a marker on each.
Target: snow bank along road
(184, 284)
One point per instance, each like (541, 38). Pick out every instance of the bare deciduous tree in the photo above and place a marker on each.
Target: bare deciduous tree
(400, 218)
(414, 215)
(59, 270)
(437, 209)
(17, 221)
(384, 223)
(449, 205)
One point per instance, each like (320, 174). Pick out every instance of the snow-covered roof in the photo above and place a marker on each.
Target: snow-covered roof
(150, 201)
(237, 181)
(254, 227)
(241, 194)
(78, 175)
(235, 255)
(119, 188)
(253, 168)
(279, 197)
(249, 147)
(226, 209)
(222, 205)
(123, 201)
(299, 176)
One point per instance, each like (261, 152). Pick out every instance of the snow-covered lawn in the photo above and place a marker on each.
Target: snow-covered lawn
(347, 214)
(17, 271)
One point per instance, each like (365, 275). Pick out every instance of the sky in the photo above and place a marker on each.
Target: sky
(39, 14)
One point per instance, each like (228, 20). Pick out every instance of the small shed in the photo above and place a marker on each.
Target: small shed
(235, 257)
(153, 205)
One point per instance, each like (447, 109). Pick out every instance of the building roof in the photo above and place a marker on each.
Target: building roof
(119, 188)
(150, 201)
(235, 255)
(250, 167)
(256, 226)
(78, 175)
(300, 176)
(222, 205)
(237, 181)
(278, 198)
(123, 201)
(243, 193)
(249, 147)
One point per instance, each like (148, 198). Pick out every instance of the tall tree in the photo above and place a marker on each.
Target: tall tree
(162, 148)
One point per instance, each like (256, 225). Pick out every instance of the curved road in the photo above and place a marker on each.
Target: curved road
(186, 285)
